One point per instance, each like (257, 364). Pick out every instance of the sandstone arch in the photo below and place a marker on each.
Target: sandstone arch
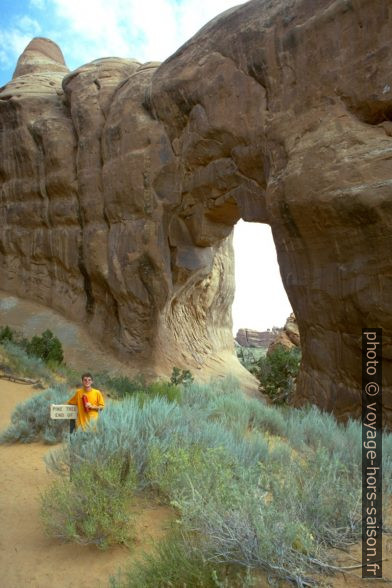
(275, 112)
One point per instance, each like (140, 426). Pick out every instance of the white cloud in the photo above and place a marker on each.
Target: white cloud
(28, 25)
(89, 29)
(144, 29)
(13, 41)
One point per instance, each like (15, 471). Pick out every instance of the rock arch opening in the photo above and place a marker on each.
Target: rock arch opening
(260, 300)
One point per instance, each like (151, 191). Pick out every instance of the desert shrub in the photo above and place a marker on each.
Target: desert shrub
(119, 385)
(198, 396)
(13, 335)
(6, 334)
(31, 358)
(282, 522)
(277, 372)
(248, 505)
(93, 508)
(236, 525)
(223, 401)
(310, 427)
(177, 562)
(250, 356)
(232, 411)
(175, 471)
(122, 387)
(253, 535)
(160, 389)
(320, 491)
(247, 451)
(30, 421)
(128, 428)
(267, 418)
(69, 375)
(20, 363)
(125, 428)
(46, 346)
(179, 376)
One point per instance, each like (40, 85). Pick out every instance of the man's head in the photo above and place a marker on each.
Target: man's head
(87, 380)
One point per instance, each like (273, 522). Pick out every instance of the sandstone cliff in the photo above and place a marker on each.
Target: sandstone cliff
(92, 221)
(121, 186)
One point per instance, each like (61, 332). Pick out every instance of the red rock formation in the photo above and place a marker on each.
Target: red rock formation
(89, 217)
(251, 338)
(287, 337)
(291, 102)
(273, 112)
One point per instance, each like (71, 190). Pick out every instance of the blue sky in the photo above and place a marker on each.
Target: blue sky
(148, 30)
(88, 29)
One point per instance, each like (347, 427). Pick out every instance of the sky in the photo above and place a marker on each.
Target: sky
(148, 30)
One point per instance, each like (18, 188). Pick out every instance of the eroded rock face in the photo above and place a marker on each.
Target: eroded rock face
(275, 112)
(294, 99)
(92, 223)
(288, 336)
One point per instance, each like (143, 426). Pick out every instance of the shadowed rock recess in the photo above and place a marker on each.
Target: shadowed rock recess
(121, 184)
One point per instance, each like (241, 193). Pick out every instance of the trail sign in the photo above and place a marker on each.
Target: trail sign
(63, 411)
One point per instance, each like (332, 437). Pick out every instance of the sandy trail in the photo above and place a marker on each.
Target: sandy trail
(27, 556)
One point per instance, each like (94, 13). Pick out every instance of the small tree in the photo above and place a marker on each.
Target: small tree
(6, 334)
(47, 347)
(181, 376)
(277, 373)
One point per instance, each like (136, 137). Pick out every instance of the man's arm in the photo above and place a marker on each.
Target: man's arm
(74, 399)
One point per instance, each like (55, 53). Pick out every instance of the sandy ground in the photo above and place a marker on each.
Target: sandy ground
(27, 556)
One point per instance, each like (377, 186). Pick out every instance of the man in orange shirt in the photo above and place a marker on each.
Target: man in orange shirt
(89, 402)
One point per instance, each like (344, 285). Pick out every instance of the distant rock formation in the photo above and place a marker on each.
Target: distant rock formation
(251, 338)
(288, 337)
(121, 182)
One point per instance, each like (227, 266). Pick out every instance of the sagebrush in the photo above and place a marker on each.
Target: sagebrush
(92, 508)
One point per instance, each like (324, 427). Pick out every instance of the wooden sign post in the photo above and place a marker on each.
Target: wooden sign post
(64, 411)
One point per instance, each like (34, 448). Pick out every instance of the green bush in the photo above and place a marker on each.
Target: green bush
(47, 347)
(20, 363)
(175, 470)
(170, 392)
(181, 376)
(6, 334)
(120, 386)
(249, 356)
(277, 372)
(93, 508)
(178, 563)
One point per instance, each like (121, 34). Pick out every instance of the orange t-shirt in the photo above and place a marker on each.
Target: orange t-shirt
(94, 397)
